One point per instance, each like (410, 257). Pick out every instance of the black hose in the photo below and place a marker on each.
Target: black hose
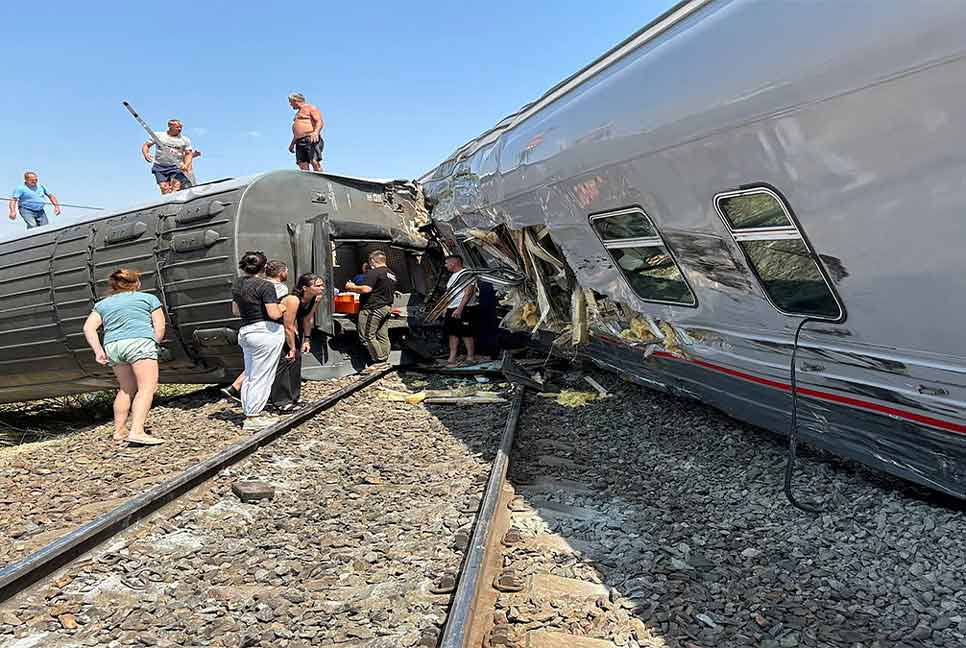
(793, 431)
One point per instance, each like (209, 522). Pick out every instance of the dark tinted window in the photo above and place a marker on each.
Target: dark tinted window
(624, 226)
(753, 210)
(653, 274)
(791, 277)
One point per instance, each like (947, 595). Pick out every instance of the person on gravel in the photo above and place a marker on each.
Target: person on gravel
(277, 273)
(377, 292)
(261, 336)
(133, 323)
(300, 306)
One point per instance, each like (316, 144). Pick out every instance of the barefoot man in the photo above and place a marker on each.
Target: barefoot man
(306, 141)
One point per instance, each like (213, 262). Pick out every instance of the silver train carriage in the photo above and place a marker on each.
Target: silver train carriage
(187, 245)
(741, 180)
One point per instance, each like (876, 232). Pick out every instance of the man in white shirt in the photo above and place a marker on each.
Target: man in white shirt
(460, 314)
(173, 159)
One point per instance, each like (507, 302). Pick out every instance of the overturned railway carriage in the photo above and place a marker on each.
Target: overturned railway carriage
(719, 194)
(187, 245)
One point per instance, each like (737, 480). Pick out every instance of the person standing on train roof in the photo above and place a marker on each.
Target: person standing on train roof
(133, 323)
(30, 199)
(173, 160)
(277, 273)
(307, 142)
(255, 301)
(377, 291)
(299, 320)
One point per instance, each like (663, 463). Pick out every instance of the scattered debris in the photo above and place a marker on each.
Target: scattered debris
(596, 385)
(253, 491)
(572, 397)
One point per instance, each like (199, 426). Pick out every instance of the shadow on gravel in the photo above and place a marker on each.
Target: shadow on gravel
(679, 511)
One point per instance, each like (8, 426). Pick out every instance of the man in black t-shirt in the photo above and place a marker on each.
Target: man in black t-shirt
(377, 292)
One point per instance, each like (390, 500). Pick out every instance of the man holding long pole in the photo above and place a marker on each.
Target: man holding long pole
(173, 157)
(31, 197)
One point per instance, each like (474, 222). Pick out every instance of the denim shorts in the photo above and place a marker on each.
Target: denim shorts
(33, 217)
(130, 351)
(168, 173)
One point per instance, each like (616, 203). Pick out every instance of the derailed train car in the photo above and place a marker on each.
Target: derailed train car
(187, 245)
(725, 208)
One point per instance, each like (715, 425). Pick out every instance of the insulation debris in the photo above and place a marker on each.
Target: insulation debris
(671, 342)
(525, 317)
(573, 398)
(440, 396)
(640, 329)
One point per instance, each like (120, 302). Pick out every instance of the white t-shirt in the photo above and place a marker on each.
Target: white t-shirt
(172, 149)
(458, 297)
(280, 289)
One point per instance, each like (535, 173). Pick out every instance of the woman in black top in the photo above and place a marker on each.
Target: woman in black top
(261, 336)
(299, 319)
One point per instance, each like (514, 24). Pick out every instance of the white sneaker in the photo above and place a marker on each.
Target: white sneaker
(259, 422)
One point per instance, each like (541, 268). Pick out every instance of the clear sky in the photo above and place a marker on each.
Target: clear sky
(400, 85)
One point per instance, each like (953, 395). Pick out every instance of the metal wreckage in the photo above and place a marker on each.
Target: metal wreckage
(742, 237)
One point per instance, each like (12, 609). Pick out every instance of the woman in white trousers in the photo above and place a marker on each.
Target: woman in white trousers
(261, 337)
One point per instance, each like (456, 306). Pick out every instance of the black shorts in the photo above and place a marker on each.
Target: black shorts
(462, 327)
(306, 151)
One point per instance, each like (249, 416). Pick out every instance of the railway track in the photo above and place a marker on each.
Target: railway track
(49, 575)
(15, 577)
(626, 523)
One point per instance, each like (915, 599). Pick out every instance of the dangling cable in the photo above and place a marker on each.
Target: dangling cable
(793, 431)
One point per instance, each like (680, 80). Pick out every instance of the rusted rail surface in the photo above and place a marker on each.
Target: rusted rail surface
(463, 609)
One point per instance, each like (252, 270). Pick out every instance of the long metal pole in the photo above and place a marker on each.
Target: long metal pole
(153, 136)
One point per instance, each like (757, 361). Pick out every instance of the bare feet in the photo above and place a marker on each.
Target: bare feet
(120, 436)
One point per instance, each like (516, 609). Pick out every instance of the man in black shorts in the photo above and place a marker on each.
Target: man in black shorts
(307, 128)
(460, 314)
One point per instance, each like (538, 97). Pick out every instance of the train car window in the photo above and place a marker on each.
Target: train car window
(623, 226)
(637, 249)
(787, 268)
(753, 211)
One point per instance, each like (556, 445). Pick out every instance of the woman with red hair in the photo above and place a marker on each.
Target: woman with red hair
(133, 323)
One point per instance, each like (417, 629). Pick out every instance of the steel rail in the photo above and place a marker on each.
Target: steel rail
(19, 575)
(461, 611)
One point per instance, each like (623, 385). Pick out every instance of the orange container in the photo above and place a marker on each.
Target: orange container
(347, 303)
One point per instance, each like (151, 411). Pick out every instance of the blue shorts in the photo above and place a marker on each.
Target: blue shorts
(33, 217)
(130, 351)
(168, 173)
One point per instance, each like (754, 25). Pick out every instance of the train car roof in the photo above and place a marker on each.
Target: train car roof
(645, 34)
(180, 197)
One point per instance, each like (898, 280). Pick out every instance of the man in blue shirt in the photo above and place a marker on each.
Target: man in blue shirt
(31, 197)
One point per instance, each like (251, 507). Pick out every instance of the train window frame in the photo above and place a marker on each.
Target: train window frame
(791, 232)
(641, 242)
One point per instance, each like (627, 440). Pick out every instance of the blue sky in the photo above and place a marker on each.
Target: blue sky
(400, 85)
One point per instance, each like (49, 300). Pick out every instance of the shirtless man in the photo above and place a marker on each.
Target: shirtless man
(306, 141)
(174, 159)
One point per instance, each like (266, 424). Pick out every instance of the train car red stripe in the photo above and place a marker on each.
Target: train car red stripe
(822, 395)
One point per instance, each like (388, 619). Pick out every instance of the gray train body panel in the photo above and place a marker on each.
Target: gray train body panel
(853, 114)
(187, 245)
